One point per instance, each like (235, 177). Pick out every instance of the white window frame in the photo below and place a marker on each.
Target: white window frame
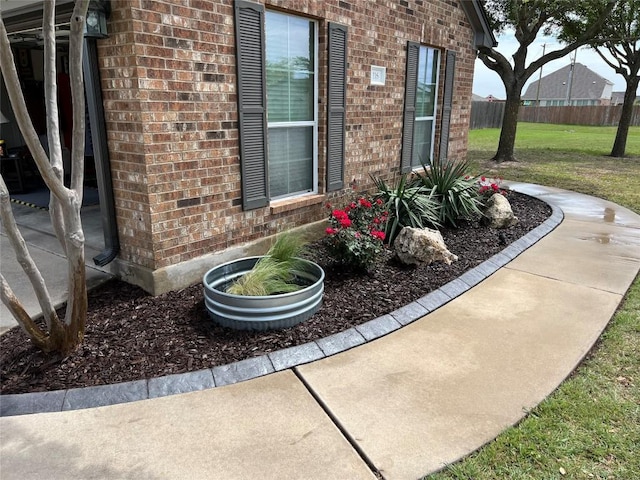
(313, 123)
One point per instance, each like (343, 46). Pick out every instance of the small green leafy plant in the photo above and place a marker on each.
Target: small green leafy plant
(276, 271)
(453, 189)
(408, 204)
(356, 232)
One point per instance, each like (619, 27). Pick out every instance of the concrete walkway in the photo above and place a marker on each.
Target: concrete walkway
(402, 405)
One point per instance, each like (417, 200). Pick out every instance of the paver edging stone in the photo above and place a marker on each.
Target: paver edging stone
(59, 400)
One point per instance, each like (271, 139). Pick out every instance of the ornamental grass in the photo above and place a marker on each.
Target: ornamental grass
(276, 271)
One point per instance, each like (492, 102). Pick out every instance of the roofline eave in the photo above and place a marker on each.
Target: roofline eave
(483, 35)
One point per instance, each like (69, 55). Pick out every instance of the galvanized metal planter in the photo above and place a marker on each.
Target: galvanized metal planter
(260, 313)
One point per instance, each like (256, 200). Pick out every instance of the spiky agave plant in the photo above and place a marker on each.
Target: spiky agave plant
(276, 271)
(408, 205)
(453, 189)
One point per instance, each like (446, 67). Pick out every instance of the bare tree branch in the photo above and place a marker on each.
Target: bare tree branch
(24, 259)
(77, 302)
(27, 325)
(51, 88)
(495, 61)
(53, 125)
(76, 40)
(617, 68)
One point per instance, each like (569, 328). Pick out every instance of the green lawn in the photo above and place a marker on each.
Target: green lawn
(567, 138)
(590, 427)
(548, 155)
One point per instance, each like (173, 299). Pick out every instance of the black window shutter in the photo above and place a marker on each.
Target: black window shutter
(252, 101)
(336, 102)
(447, 104)
(411, 82)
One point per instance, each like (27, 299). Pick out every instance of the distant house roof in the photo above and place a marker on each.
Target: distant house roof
(488, 98)
(617, 98)
(585, 85)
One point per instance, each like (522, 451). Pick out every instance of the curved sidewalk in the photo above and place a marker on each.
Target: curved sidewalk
(403, 405)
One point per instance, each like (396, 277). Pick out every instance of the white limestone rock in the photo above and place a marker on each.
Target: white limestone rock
(422, 246)
(498, 213)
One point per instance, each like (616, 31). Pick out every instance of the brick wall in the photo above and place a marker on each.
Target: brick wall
(169, 86)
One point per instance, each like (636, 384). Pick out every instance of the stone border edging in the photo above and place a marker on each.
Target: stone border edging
(103, 395)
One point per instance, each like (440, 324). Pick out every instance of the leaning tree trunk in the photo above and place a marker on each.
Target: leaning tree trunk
(620, 143)
(60, 335)
(506, 145)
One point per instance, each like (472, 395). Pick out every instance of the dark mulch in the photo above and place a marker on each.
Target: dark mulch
(131, 335)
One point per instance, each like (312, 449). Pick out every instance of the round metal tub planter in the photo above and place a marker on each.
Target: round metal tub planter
(242, 312)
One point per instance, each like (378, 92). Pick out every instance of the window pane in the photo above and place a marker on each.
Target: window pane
(290, 160)
(290, 44)
(422, 143)
(427, 80)
(426, 93)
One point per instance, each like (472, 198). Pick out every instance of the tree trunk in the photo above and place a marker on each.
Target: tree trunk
(620, 143)
(62, 336)
(507, 142)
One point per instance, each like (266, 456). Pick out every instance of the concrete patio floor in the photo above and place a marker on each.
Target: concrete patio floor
(400, 405)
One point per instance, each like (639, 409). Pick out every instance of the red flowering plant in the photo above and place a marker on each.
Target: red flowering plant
(356, 232)
(489, 186)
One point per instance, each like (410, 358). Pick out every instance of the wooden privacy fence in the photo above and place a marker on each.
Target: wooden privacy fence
(489, 115)
(603, 116)
(486, 115)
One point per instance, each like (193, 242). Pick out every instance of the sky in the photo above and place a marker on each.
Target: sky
(487, 82)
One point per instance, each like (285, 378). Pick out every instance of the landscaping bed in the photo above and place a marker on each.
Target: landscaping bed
(132, 335)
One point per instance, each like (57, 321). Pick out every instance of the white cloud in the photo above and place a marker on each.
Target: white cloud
(487, 82)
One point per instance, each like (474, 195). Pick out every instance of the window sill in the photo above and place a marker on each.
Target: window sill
(286, 205)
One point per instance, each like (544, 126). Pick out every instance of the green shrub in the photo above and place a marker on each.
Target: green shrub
(275, 272)
(407, 204)
(454, 190)
(356, 233)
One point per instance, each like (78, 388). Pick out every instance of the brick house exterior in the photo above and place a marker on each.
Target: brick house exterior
(170, 90)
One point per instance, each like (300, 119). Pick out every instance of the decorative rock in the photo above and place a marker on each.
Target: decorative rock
(422, 246)
(498, 213)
